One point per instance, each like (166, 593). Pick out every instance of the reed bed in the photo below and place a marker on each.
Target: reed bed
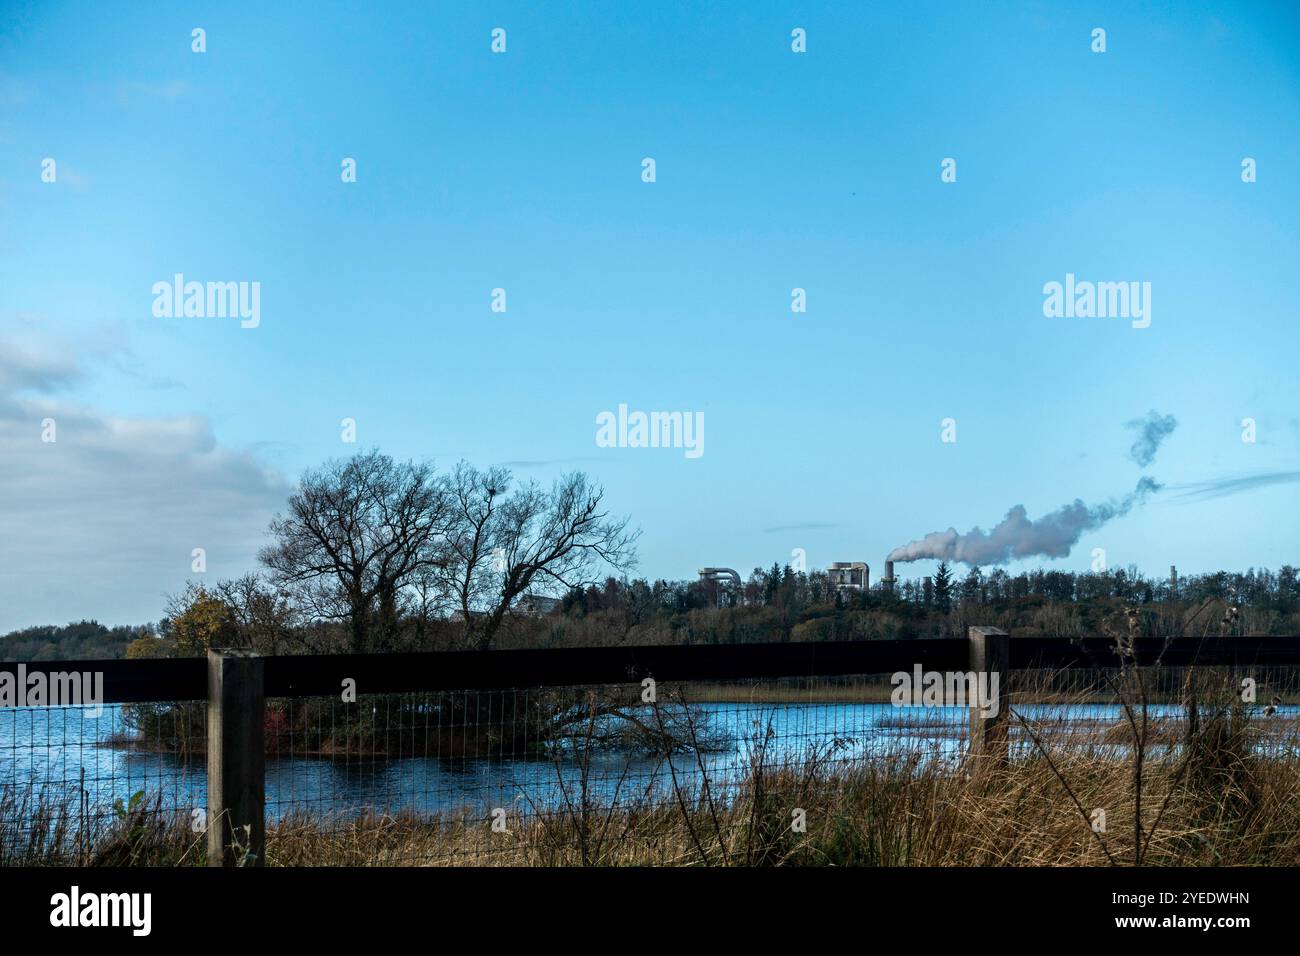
(1210, 780)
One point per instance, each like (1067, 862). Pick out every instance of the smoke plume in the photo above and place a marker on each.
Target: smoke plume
(1017, 536)
(1221, 487)
(1152, 430)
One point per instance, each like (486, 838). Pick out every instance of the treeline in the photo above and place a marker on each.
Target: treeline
(780, 604)
(775, 604)
(87, 640)
(376, 555)
(784, 587)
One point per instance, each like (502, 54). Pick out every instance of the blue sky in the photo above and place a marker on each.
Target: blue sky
(522, 171)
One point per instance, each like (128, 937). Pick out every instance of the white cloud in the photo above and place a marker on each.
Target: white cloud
(101, 523)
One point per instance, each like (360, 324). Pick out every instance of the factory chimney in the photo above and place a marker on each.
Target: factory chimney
(888, 580)
(1173, 581)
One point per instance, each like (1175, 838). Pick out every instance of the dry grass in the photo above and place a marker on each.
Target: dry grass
(896, 811)
(1211, 782)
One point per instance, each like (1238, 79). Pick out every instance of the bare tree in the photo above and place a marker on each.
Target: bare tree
(503, 542)
(367, 539)
(264, 617)
(358, 532)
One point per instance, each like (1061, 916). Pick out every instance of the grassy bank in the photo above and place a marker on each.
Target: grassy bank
(1211, 805)
(1210, 781)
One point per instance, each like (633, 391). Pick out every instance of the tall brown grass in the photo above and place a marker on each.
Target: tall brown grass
(1210, 782)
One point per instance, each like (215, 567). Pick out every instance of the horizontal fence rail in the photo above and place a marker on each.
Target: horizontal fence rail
(473, 755)
(141, 681)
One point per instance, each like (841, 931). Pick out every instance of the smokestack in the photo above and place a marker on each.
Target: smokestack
(888, 581)
(1173, 581)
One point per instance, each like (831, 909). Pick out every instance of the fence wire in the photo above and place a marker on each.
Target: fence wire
(567, 774)
(683, 773)
(85, 785)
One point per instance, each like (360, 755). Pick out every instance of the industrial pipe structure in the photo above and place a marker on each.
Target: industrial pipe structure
(714, 574)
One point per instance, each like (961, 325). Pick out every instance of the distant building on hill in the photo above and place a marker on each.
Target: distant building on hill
(849, 575)
(536, 605)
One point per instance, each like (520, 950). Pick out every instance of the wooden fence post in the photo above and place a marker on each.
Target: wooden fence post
(236, 760)
(990, 653)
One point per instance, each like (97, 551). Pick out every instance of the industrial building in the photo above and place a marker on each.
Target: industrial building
(849, 576)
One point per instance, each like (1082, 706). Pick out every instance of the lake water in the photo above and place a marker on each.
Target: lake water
(67, 751)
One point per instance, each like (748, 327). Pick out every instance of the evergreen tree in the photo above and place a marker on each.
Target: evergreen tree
(772, 582)
(943, 587)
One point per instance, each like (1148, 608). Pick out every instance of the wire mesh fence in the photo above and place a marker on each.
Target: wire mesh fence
(564, 773)
(477, 776)
(77, 782)
(686, 772)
